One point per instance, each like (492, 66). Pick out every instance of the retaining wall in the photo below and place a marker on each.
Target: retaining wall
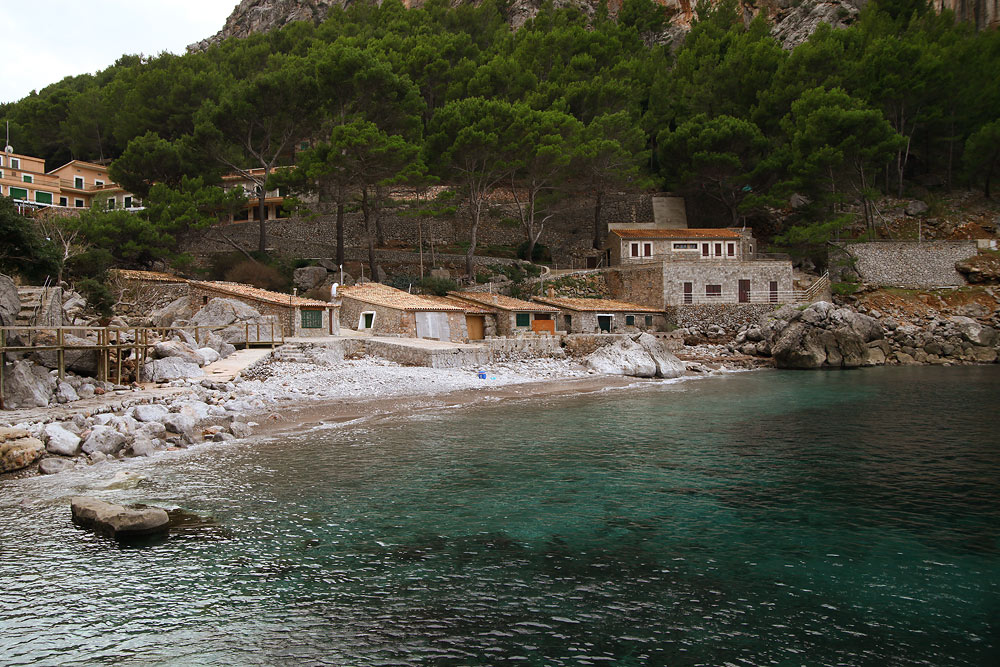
(911, 264)
(729, 316)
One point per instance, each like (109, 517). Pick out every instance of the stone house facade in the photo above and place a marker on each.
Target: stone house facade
(514, 316)
(640, 243)
(380, 309)
(604, 315)
(668, 284)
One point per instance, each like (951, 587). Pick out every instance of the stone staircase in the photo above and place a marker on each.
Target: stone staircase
(40, 307)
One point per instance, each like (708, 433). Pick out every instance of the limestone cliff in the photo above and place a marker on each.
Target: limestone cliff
(793, 20)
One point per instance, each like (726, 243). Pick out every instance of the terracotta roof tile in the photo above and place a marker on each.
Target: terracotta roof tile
(472, 308)
(151, 276)
(596, 305)
(390, 297)
(251, 292)
(676, 233)
(501, 302)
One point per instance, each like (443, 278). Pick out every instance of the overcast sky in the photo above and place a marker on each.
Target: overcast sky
(45, 41)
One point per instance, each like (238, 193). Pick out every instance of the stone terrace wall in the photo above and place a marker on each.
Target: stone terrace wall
(910, 263)
(729, 316)
(315, 236)
(636, 285)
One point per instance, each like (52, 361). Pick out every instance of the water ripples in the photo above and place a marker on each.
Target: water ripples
(762, 519)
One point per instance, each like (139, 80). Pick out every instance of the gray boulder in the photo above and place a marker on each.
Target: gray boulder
(308, 277)
(172, 349)
(26, 385)
(178, 309)
(196, 410)
(240, 429)
(182, 425)
(624, 357)
(144, 446)
(171, 368)
(208, 355)
(149, 413)
(667, 365)
(18, 449)
(916, 208)
(10, 302)
(104, 439)
(973, 331)
(82, 361)
(59, 440)
(65, 393)
(54, 464)
(821, 335)
(221, 312)
(116, 520)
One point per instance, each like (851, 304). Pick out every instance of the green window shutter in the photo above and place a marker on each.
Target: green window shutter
(27, 178)
(43, 197)
(312, 319)
(630, 320)
(522, 319)
(18, 193)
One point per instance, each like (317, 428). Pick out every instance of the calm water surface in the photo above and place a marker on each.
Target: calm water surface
(846, 518)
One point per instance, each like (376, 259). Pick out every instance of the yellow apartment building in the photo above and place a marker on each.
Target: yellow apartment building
(75, 184)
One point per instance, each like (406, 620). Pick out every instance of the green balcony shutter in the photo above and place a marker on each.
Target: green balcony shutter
(18, 193)
(43, 197)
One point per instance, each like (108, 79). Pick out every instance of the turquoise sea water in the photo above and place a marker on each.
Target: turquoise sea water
(771, 518)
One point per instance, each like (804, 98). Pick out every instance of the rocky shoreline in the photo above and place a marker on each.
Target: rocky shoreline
(129, 422)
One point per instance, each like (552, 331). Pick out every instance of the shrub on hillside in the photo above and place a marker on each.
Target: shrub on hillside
(258, 275)
(438, 286)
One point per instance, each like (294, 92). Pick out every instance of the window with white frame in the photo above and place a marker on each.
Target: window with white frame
(27, 178)
(730, 250)
(78, 203)
(98, 183)
(685, 246)
(15, 163)
(128, 201)
(647, 249)
(634, 249)
(78, 182)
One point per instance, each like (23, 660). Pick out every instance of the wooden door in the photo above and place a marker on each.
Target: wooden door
(476, 324)
(744, 291)
(688, 292)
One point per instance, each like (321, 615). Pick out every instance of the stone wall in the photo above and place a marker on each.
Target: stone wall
(390, 321)
(641, 285)
(569, 233)
(662, 285)
(730, 316)
(138, 298)
(911, 264)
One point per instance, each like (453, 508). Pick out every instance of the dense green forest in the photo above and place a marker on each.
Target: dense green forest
(564, 107)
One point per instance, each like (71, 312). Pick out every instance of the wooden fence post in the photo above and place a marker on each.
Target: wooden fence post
(61, 353)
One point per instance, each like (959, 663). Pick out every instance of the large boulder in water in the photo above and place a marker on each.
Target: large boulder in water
(636, 356)
(116, 520)
(821, 336)
(667, 365)
(18, 449)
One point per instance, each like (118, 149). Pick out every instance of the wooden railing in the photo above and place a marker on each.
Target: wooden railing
(119, 349)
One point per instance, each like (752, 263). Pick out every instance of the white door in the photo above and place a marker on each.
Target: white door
(433, 325)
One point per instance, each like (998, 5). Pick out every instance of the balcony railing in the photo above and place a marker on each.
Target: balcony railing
(758, 296)
(693, 257)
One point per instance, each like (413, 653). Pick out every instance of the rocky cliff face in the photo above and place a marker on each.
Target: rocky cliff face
(793, 20)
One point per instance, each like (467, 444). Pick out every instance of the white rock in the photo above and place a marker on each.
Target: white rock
(59, 440)
(104, 440)
(149, 413)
